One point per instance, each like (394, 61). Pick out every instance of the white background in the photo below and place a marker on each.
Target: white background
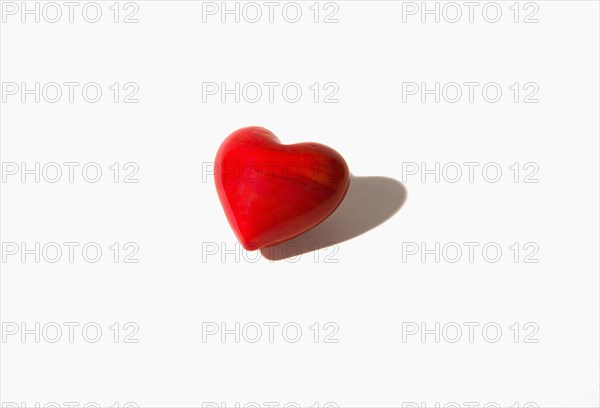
(371, 292)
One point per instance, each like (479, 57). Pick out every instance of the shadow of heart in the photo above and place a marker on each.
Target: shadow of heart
(369, 202)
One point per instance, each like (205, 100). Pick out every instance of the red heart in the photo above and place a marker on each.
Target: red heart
(272, 192)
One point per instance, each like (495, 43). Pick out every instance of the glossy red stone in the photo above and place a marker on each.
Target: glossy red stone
(272, 192)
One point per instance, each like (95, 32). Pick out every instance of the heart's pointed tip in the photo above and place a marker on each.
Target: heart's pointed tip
(250, 246)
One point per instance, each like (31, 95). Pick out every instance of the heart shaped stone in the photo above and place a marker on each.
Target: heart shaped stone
(272, 192)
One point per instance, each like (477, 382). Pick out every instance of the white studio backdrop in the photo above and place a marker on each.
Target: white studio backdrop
(122, 284)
